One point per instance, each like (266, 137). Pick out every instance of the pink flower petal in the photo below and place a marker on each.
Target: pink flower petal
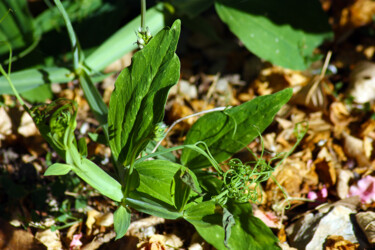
(365, 189)
(76, 243)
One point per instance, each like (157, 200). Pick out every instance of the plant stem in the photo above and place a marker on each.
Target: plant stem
(72, 35)
(143, 15)
(12, 86)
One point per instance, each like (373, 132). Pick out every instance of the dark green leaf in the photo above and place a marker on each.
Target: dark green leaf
(180, 189)
(227, 132)
(82, 147)
(137, 103)
(191, 8)
(197, 213)
(156, 177)
(121, 219)
(282, 32)
(144, 203)
(248, 232)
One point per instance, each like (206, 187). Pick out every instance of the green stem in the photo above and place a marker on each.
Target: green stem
(143, 15)
(12, 86)
(72, 35)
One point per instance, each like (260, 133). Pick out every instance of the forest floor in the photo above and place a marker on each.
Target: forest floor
(328, 179)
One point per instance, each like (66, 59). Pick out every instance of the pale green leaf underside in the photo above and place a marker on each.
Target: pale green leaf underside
(121, 219)
(58, 169)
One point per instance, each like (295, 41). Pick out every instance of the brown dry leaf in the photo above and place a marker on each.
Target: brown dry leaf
(367, 128)
(342, 187)
(337, 242)
(325, 167)
(312, 95)
(358, 14)
(290, 175)
(104, 220)
(354, 147)
(179, 110)
(161, 242)
(72, 230)
(275, 78)
(362, 82)
(50, 239)
(27, 126)
(91, 219)
(366, 221)
(138, 227)
(100, 239)
(339, 116)
(339, 152)
(5, 124)
(17, 239)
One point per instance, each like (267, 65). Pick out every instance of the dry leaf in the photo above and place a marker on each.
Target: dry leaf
(27, 126)
(342, 187)
(161, 242)
(366, 221)
(325, 167)
(5, 124)
(91, 219)
(354, 148)
(339, 116)
(17, 239)
(362, 82)
(336, 242)
(50, 239)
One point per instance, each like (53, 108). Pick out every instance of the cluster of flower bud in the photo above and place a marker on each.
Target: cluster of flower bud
(143, 37)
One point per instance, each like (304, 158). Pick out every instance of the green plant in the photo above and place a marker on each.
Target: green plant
(282, 32)
(214, 201)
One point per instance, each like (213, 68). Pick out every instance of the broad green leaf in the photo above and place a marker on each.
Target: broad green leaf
(137, 103)
(191, 8)
(121, 221)
(227, 132)
(197, 213)
(94, 175)
(156, 178)
(282, 32)
(39, 94)
(58, 169)
(248, 232)
(32, 78)
(144, 203)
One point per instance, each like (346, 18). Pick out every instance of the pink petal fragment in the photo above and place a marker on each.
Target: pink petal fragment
(365, 189)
